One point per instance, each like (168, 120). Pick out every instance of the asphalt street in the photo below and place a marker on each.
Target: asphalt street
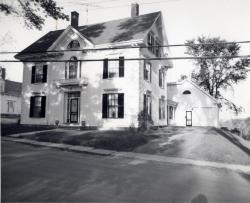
(40, 174)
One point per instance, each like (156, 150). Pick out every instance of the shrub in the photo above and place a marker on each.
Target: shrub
(235, 131)
(144, 121)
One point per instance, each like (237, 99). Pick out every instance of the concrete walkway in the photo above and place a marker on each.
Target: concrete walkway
(141, 156)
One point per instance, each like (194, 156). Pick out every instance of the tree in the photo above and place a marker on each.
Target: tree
(217, 74)
(33, 12)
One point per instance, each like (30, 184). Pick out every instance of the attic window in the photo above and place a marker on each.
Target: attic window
(74, 44)
(186, 92)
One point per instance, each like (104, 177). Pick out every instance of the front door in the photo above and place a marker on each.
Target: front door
(73, 110)
(188, 118)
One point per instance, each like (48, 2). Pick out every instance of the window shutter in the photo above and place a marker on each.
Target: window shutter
(105, 68)
(160, 78)
(145, 71)
(33, 74)
(121, 66)
(145, 102)
(150, 72)
(45, 67)
(66, 71)
(121, 105)
(105, 106)
(160, 109)
(43, 107)
(32, 101)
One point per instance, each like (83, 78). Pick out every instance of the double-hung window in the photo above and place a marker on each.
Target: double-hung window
(151, 42)
(37, 106)
(39, 73)
(72, 69)
(147, 71)
(113, 69)
(161, 77)
(162, 108)
(10, 104)
(147, 104)
(113, 105)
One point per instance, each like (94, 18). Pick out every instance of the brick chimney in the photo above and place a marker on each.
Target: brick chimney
(134, 10)
(74, 19)
(2, 73)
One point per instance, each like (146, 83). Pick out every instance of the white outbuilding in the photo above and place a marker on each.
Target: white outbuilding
(189, 105)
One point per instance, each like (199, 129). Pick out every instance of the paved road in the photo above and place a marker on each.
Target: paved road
(31, 174)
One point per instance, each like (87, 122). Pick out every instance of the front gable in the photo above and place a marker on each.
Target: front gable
(67, 36)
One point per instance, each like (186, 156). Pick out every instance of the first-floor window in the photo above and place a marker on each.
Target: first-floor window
(11, 108)
(37, 106)
(171, 112)
(161, 108)
(113, 105)
(147, 104)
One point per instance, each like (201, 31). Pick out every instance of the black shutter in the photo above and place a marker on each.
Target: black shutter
(144, 70)
(150, 72)
(66, 75)
(45, 67)
(160, 109)
(33, 74)
(160, 78)
(121, 66)
(105, 68)
(121, 105)
(105, 106)
(144, 102)
(32, 102)
(43, 107)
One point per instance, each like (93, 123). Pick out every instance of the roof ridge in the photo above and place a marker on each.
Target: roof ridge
(119, 19)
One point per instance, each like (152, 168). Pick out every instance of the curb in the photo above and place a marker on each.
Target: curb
(132, 155)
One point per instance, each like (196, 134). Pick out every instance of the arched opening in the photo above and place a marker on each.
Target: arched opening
(186, 92)
(74, 44)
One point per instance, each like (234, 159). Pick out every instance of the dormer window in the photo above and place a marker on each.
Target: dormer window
(74, 44)
(186, 92)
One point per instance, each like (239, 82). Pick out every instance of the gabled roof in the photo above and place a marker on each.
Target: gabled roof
(13, 88)
(195, 85)
(102, 33)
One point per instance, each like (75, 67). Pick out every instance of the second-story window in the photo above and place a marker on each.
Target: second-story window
(72, 69)
(113, 69)
(147, 71)
(161, 77)
(39, 73)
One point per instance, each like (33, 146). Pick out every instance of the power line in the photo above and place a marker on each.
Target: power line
(125, 47)
(127, 5)
(134, 59)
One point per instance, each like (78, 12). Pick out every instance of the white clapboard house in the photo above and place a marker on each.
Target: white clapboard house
(105, 93)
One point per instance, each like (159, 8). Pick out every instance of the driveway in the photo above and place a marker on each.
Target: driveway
(39, 174)
(199, 143)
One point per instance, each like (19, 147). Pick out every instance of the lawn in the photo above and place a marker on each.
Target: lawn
(119, 140)
(9, 129)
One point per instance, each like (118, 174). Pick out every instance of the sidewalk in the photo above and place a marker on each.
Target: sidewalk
(132, 155)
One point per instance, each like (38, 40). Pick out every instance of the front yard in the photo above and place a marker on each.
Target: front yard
(198, 143)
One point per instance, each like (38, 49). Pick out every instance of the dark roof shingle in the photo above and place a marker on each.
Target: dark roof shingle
(13, 88)
(102, 33)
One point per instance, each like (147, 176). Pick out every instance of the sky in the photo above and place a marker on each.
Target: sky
(183, 20)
